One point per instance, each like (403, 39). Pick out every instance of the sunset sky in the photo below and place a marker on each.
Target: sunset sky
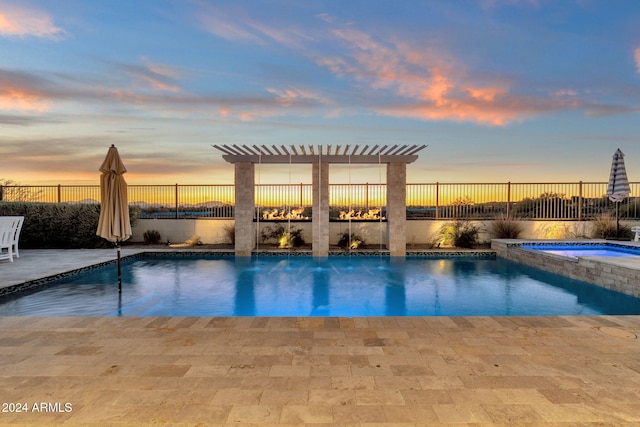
(500, 90)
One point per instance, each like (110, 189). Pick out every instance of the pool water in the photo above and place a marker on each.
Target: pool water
(586, 250)
(304, 286)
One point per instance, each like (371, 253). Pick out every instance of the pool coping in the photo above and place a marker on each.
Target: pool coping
(618, 274)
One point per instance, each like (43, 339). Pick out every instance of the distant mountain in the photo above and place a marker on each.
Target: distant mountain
(209, 204)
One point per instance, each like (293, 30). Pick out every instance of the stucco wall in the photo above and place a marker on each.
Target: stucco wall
(211, 231)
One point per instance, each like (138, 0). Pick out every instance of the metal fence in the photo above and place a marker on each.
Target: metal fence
(547, 201)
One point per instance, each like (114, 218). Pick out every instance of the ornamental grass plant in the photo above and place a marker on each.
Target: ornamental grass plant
(505, 228)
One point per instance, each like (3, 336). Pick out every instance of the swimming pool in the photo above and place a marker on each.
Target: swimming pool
(305, 286)
(578, 250)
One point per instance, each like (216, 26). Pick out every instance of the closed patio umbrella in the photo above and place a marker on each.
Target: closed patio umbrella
(618, 188)
(114, 224)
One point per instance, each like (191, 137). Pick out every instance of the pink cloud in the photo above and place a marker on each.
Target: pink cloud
(151, 75)
(22, 92)
(160, 76)
(487, 94)
(216, 23)
(455, 111)
(430, 84)
(238, 27)
(23, 22)
(434, 85)
(287, 97)
(17, 99)
(636, 55)
(283, 102)
(566, 92)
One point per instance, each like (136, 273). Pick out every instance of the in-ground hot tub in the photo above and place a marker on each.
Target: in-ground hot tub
(613, 265)
(579, 249)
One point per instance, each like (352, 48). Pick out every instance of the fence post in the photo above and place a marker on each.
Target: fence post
(176, 195)
(301, 205)
(580, 202)
(59, 193)
(366, 197)
(508, 198)
(437, 200)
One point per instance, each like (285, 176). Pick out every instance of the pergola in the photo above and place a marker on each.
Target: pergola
(244, 158)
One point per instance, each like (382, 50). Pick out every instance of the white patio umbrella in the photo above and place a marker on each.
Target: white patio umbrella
(618, 188)
(114, 224)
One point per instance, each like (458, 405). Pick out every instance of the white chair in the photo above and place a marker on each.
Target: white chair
(17, 222)
(7, 234)
(637, 231)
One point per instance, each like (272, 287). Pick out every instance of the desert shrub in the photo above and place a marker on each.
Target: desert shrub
(151, 237)
(193, 241)
(461, 234)
(505, 228)
(577, 231)
(604, 226)
(230, 232)
(350, 241)
(285, 238)
(433, 240)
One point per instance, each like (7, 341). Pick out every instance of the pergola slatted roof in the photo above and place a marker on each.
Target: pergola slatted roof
(397, 153)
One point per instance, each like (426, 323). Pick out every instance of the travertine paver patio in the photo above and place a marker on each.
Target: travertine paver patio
(314, 371)
(411, 371)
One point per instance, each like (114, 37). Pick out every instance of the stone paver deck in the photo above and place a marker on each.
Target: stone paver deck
(322, 371)
(379, 371)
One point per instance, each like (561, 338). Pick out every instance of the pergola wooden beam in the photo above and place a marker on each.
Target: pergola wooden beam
(311, 154)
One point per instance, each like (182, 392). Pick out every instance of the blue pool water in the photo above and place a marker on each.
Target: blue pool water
(304, 286)
(603, 250)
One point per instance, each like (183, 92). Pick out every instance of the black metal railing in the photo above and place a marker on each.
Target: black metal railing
(528, 201)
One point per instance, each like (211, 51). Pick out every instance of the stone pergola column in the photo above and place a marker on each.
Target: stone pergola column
(244, 210)
(395, 156)
(397, 209)
(320, 217)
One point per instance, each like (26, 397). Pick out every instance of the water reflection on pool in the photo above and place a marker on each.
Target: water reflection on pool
(335, 286)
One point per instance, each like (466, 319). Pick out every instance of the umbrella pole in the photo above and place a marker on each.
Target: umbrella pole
(119, 269)
(617, 219)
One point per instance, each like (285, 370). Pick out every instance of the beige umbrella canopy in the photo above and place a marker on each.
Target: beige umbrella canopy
(114, 224)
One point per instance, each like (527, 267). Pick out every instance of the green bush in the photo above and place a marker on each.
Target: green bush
(57, 225)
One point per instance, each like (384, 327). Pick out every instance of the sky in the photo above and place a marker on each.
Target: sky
(499, 90)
